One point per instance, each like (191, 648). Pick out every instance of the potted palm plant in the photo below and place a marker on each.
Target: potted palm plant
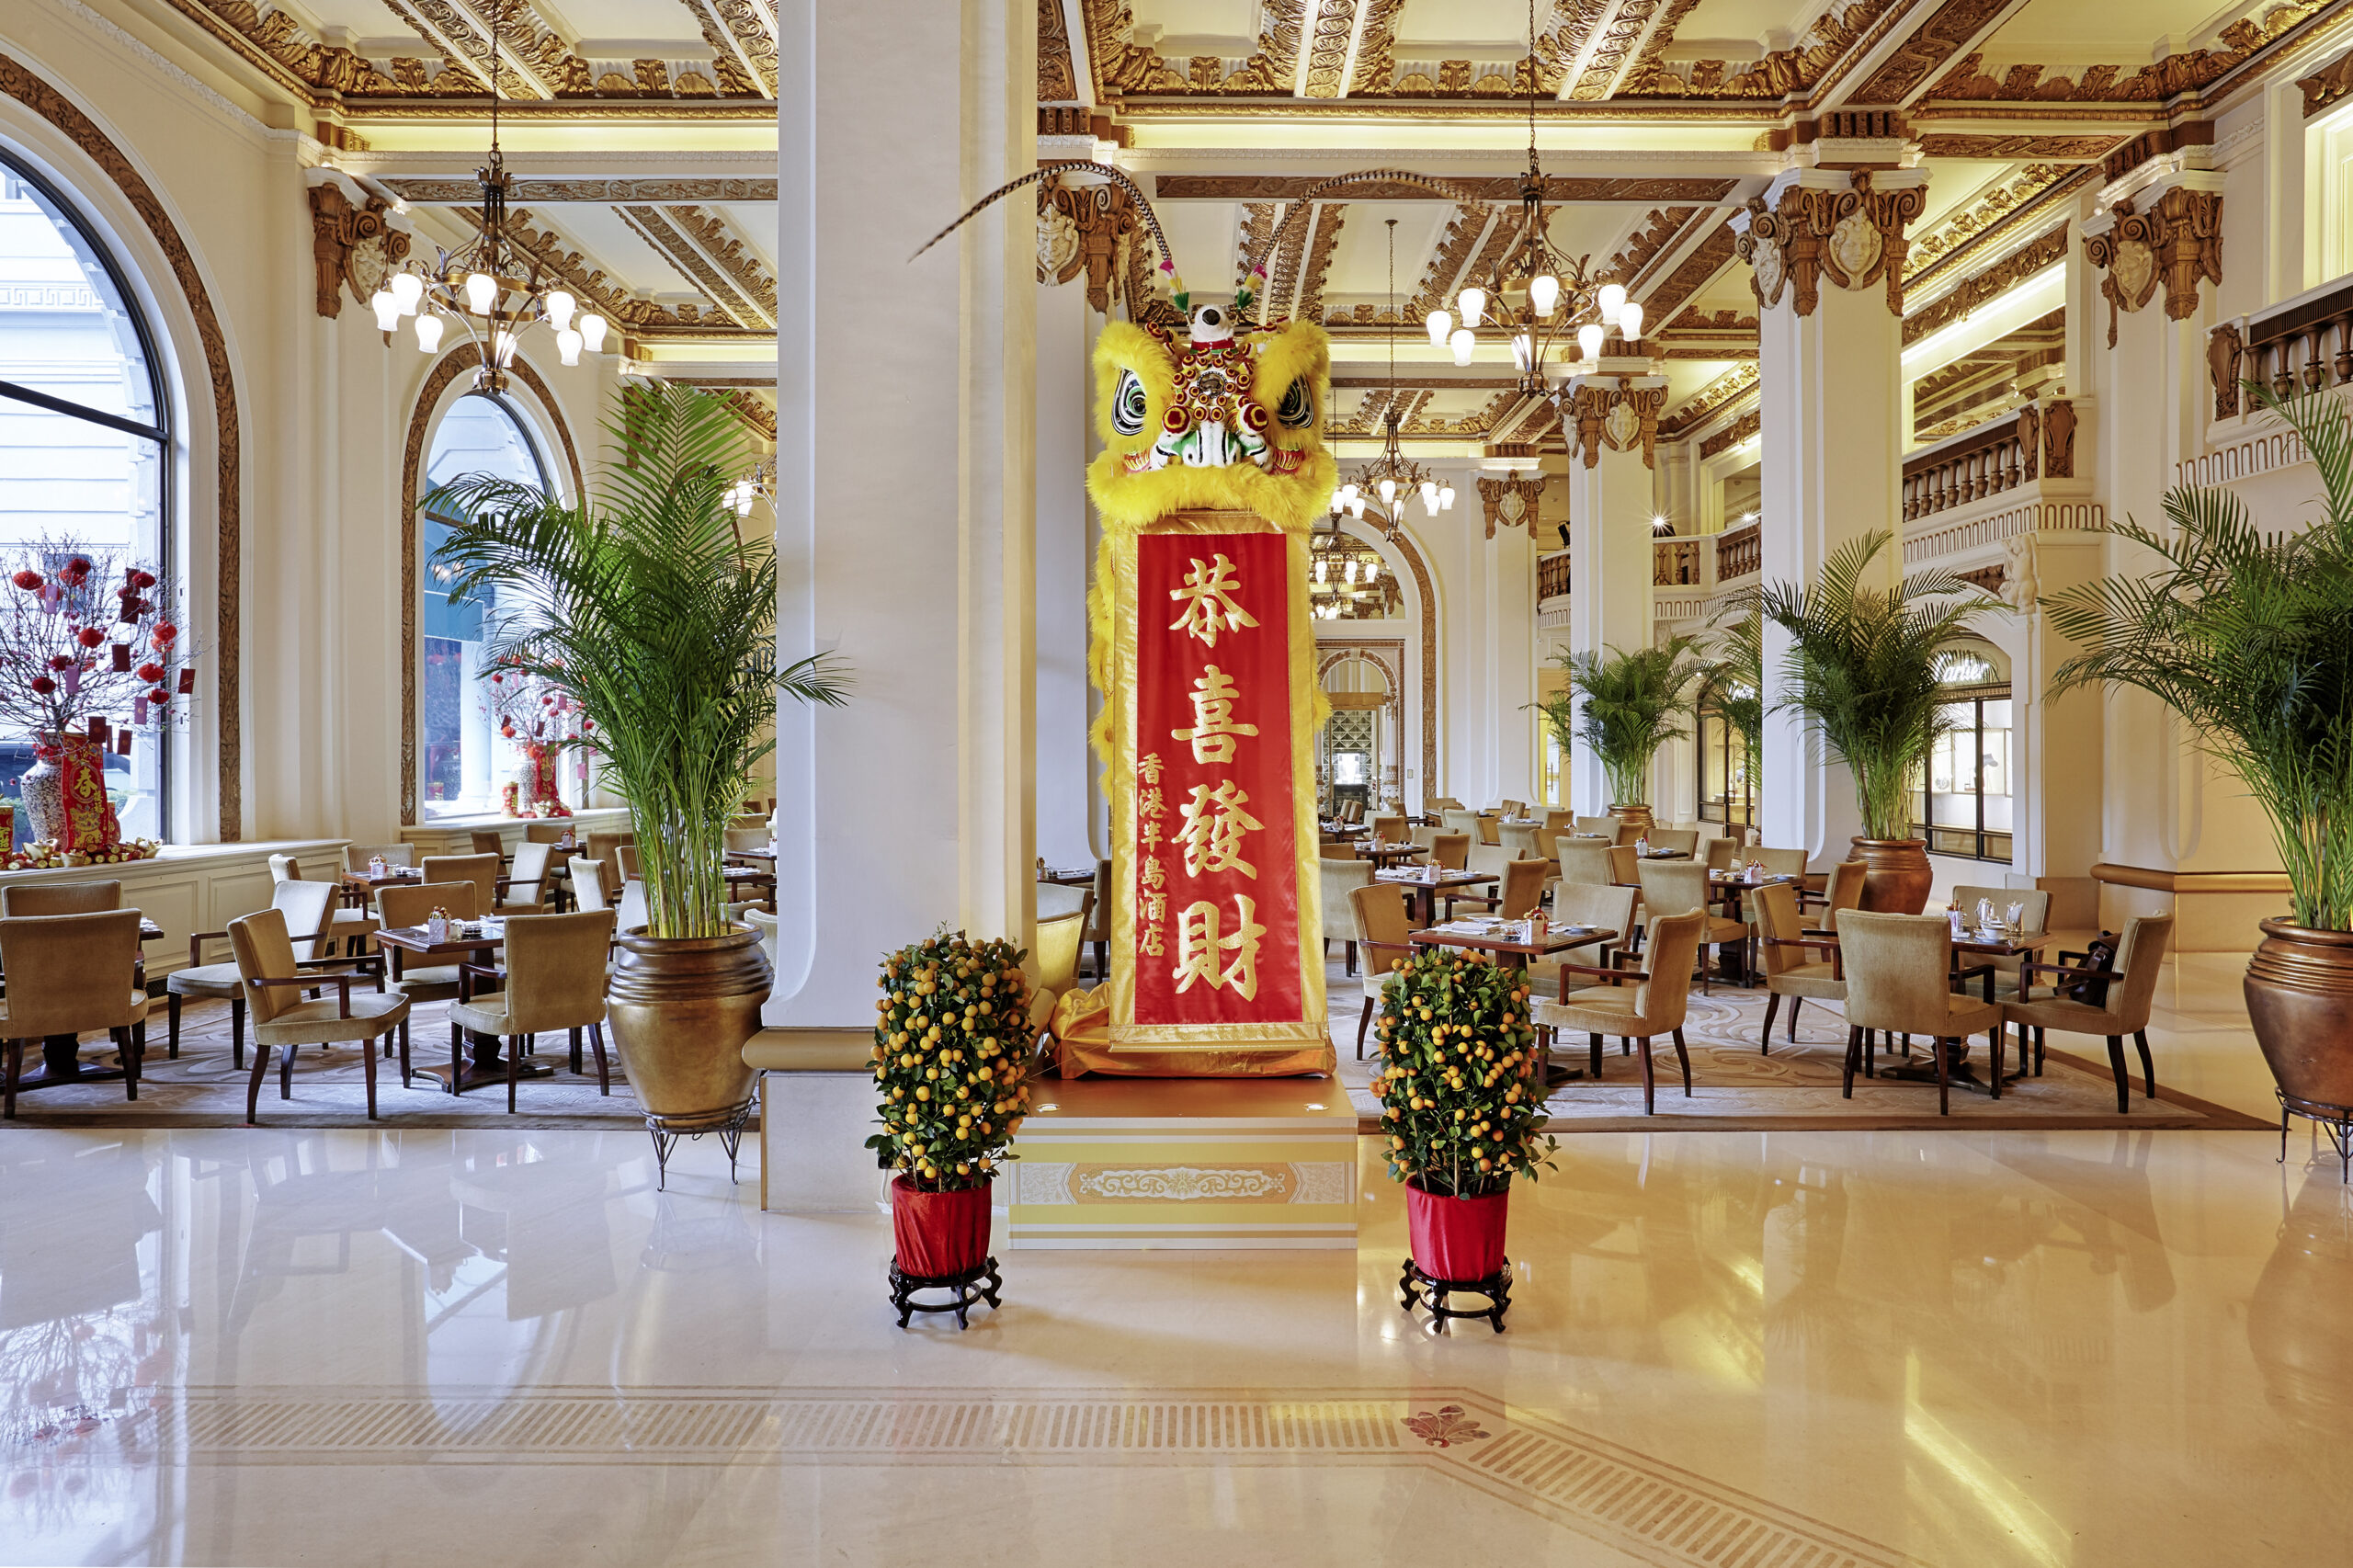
(1624, 706)
(645, 607)
(2248, 635)
(1463, 1113)
(951, 1068)
(1862, 673)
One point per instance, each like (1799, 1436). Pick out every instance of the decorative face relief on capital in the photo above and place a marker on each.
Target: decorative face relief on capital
(1206, 418)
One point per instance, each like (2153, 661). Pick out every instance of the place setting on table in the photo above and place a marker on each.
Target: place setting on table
(1048, 875)
(465, 942)
(359, 887)
(1385, 856)
(1423, 884)
(1513, 942)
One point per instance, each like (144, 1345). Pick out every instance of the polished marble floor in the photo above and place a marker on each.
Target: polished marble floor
(1966, 1348)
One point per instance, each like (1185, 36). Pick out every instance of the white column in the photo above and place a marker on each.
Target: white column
(1612, 497)
(1065, 763)
(904, 517)
(1831, 397)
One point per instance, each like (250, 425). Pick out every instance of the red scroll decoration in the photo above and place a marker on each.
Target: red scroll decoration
(1215, 861)
(89, 823)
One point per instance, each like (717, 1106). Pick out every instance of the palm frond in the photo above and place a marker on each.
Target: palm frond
(646, 605)
(1624, 706)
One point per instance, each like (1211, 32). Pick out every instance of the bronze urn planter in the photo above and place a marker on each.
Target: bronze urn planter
(1637, 816)
(1896, 876)
(681, 1009)
(2300, 998)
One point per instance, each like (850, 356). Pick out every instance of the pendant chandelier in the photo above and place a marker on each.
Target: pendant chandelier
(473, 285)
(1533, 294)
(1383, 484)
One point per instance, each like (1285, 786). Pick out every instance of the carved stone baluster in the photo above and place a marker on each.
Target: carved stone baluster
(2343, 364)
(2315, 373)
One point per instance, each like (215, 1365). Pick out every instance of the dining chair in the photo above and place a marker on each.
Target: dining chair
(1582, 861)
(1451, 851)
(1055, 900)
(1457, 820)
(356, 856)
(1792, 970)
(33, 900)
(479, 870)
(1385, 937)
(625, 857)
(1899, 983)
(1523, 889)
(529, 884)
(488, 841)
(1779, 862)
(1389, 828)
(545, 832)
(349, 928)
(602, 846)
(1721, 853)
(2112, 1002)
(588, 882)
(743, 838)
(1423, 833)
(1636, 1005)
(1341, 877)
(551, 976)
(2033, 920)
(308, 908)
(1052, 966)
(1561, 821)
(1490, 829)
(1590, 905)
(1604, 828)
(1098, 920)
(1678, 887)
(285, 868)
(1626, 865)
(1520, 842)
(1631, 832)
(630, 908)
(412, 905)
(273, 981)
(1686, 840)
(1843, 890)
(69, 974)
(1444, 803)
(1515, 807)
(1486, 860)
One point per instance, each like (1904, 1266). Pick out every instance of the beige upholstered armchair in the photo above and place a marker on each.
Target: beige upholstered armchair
(483, 870)
(1341, 877)
(1520, 842)
(1603, 828)
(1582, 903)
(1792, 966)
(1899, 977)
(1384, 933)
(69, 974)
(588, 882)
(529, 887)
(25, 901)
(1686, 840)
(1844, 890)
(308, 909)
(1676, 887)
(2035, 919)
(2125, 993)
(274, 982)
(1582, 861)
(1457, 820)
(1388, 828)
(554, 980)
(1052, 966)
(1720, 854)
(1450, 850)
(1636, 1005)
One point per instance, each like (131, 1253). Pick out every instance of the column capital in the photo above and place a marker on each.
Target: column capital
(1614, 412)
(2170, 231)
(1815, 221)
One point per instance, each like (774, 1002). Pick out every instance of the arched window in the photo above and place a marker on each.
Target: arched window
(463, 762)
(86, 438)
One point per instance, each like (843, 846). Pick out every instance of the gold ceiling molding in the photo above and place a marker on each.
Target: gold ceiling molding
(1375, 71)
(2055, 200)
(1691, 275)
(1708, 353)
(2187, 72)
(741, 35)
(1833, 38)
(1708, 400)
(1435, 384)
(1447, 258)
(1647, 192)
(1974, 216)
(1259, 220)
(748, 408)
(1663, 226)
(44, 100)
(639, 318)
(1328, 43)
(2020, 148)
(715, 258)
(544, 192)
(1987, 283)
(1734, 434)
(1606, 54)
(457, 362)
(1854, 237)
(1057, 76)
(2328, 84)
(1944, 33)
(1316, 268)
(350, 245)
(2176, 242)
(1696, 323)
(1644, 67)
(329, 77)
(1478, 422)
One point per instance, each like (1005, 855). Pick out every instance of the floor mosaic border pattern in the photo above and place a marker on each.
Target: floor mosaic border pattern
(1649, 1509)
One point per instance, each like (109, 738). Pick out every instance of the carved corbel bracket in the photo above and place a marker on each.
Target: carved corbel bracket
(1853, 235)
(2225, 347)
(354, 246)
(2058, 438)
(2177, 242)
(1589, 407)
(1085, 229)
(1512, 499)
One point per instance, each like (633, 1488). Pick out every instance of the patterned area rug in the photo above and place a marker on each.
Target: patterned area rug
(1734, 1088)
(203, 1089)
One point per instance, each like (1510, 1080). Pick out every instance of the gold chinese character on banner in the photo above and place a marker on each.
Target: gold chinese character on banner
(1155, 874)
(1148, 768)
(1214, 825)
(1214, 730)
(1200, 943)
(1210, 609)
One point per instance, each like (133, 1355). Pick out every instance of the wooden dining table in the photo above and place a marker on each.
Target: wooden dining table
(1385, 856)
(488, 1063)
(1516, 954)
(359, 887)
(1423, 884)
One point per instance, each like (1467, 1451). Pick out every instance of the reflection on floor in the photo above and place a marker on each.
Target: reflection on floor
(1953, 1346)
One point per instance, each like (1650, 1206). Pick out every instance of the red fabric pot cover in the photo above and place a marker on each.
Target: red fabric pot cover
(1457, 1239)
(940, 1234)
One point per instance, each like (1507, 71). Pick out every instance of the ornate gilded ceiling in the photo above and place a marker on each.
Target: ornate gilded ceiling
(1657, 119)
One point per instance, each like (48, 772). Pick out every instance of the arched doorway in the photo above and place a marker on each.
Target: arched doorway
(1360, 752)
